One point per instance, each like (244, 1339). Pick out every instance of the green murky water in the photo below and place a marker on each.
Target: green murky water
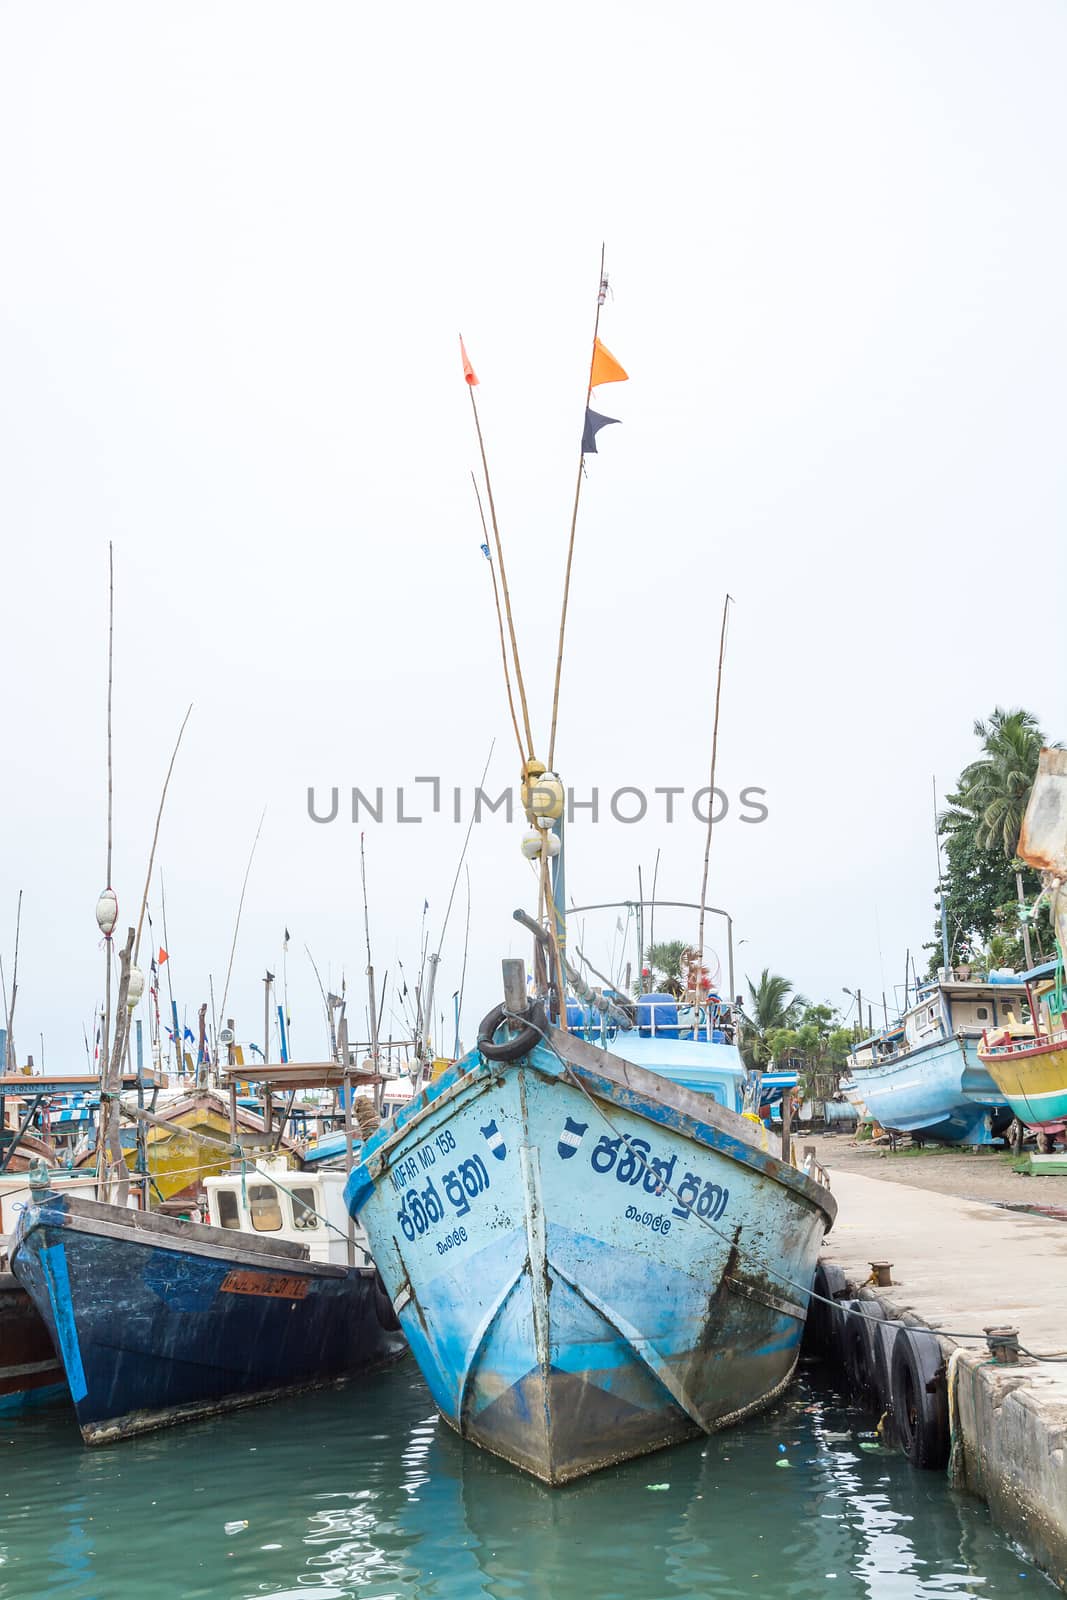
(365, 1493)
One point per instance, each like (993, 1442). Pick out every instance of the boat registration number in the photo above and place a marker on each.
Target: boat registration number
(277, 1285)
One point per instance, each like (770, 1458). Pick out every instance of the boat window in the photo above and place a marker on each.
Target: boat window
(983, 1013)
(263, 1204)
(304, 1209)
(229, 1215)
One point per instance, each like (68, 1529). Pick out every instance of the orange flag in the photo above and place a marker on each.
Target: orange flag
(468, 371)
(605, 368)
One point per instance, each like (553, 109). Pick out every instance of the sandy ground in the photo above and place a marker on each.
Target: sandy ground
(967, 1174)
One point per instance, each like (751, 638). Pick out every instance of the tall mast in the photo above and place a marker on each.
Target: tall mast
(941, 888)
(711, 785)
(602, 292)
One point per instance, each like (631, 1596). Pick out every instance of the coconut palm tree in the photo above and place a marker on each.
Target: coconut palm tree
(666, 965)
(995, 788)
(772, 1005)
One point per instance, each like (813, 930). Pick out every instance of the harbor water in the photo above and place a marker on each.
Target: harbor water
(365, 1492)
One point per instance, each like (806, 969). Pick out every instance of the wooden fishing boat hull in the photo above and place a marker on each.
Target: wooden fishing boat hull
(573, 1300)
(940, 1090)
(31, 1373)
(158, 1320)
(1033, 1080)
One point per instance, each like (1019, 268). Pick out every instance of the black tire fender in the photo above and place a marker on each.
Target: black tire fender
(861, 1363)
(837, 1349)
(519, 1044)
(920, 1398)
(829, 1283)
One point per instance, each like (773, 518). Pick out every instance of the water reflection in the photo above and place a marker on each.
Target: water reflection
(365, 1492)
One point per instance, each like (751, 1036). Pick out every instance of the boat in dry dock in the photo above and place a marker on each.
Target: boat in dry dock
(924, 1075)
(1029, 1064)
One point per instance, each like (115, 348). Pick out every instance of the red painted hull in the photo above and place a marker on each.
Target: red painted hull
(29, 1365)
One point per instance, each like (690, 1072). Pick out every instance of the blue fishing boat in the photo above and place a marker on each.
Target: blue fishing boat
(590, 1259)
(158, 1319)
(592, 1250)
(923, 1076)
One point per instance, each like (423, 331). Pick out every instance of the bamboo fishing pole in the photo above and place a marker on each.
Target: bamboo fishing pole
(601, 295)
(9, 1043)
(177, 1041)
(155, 835)
(503, 572)
(499, 623)
(240, 908)
(711, 785)
(330, 1035)
(107, 879)
(463, 970)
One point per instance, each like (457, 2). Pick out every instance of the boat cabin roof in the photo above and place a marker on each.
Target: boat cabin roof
(282, 1075)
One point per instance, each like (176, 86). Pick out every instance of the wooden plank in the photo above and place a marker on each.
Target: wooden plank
(297, 1075)
(24, 1083)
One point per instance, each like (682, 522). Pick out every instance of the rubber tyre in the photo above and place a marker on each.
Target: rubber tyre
(521, 1043)
(920, 1398)
(861, 1351)
(829, 1281)
(840, 1317)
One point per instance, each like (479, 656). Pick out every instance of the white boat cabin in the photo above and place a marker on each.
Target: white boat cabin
(305, 1208)
(944, 1008)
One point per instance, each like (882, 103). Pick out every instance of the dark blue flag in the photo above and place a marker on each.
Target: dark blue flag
(593, 424)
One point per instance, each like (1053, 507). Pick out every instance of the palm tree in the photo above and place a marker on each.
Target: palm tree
(995, 788)
(666, 964)
(772, 1004)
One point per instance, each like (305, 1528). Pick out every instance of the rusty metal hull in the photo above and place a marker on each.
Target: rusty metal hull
(589, 1261)
(158, 1321)
(30, 1371)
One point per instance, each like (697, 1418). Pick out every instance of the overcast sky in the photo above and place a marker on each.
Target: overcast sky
(240, 240)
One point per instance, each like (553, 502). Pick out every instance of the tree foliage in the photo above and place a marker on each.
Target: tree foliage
(772, 1005)
(980, 829)
(667, 963)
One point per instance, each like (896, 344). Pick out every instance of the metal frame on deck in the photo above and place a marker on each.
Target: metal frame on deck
(683, 905)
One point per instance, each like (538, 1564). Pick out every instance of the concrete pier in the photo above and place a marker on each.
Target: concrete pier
(960, 1266)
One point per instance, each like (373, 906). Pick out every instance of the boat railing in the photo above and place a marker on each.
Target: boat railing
(1055, 1040)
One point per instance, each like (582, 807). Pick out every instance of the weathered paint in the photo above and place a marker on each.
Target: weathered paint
(144, 1313)
(566, 1308)
(61, 1324)
(31, 1373)
(1033, 1080)
(940, 1089)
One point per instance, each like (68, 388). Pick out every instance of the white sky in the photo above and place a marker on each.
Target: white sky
(239, 242)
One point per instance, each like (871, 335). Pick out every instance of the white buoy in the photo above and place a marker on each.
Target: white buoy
(107, 912)
(543, 796)
(135, 988)
(531, 844)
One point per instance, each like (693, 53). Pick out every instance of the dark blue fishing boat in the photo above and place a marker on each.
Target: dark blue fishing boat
(157, 1319)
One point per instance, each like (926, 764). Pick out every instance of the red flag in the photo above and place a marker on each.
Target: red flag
(468, 371)
(162, 955)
